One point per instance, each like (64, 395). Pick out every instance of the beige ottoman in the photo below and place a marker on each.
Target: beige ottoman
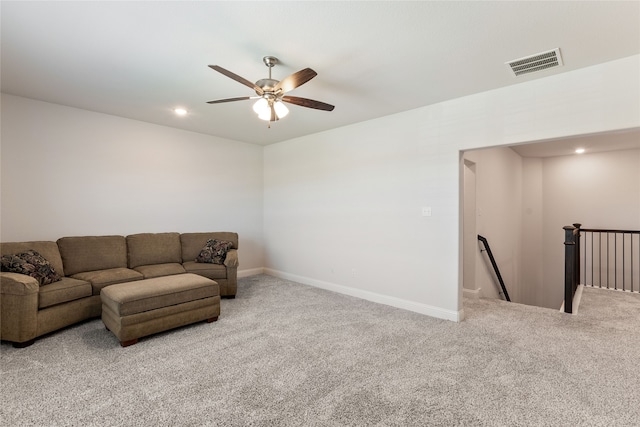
(136, 309)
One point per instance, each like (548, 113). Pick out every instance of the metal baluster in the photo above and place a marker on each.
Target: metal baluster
(593, 274)
(584, 260)
(608, 279)
(599, 260)
(624, 273)
(615, 260)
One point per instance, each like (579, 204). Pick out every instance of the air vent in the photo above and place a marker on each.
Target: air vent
(538, 62)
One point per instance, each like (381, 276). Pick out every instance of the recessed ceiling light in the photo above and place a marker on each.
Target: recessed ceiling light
(579, 150)
(180, 111)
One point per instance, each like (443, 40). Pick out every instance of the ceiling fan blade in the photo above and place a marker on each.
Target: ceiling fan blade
(309, 103)
(242, 98)
(294, 80)
(237, 78)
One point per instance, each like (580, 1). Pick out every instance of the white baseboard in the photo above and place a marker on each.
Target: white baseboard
(471, 293)
(250, 272)
(455, 316)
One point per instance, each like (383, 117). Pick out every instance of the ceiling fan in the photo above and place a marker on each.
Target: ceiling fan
(271, 93)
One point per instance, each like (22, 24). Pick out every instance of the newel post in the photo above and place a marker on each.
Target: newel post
(576, 271)
(569, 266)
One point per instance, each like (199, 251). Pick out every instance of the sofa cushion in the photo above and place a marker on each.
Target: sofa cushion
(101, 278)
(192, 243)
(212, 271)
(92, 253)
(65, 290)
(32, 264)
(153, 248)
(49, 250)
(214, 251)
(156, 270)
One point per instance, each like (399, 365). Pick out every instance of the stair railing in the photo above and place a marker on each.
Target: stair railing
(607, 259)
(487, 248)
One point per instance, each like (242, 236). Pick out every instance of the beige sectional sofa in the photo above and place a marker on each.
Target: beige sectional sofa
(88, 264)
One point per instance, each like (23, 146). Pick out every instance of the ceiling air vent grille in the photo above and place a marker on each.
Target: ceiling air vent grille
(538, 62)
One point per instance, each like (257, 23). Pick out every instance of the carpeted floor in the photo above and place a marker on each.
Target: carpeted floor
(285, 354)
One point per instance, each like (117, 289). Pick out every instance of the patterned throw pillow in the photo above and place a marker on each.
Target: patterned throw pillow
(214, 252)
(32, 264)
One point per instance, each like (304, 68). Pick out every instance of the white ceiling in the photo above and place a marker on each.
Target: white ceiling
(142, 59)
(612, 141)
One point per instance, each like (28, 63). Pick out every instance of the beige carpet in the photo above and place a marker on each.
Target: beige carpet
(285, 354)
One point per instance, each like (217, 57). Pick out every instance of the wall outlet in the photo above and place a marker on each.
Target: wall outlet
(426, 211)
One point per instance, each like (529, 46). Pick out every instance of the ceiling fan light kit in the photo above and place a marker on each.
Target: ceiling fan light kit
(281, 109)
(271, 93)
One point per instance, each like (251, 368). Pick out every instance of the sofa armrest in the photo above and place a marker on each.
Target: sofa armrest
(18, 284)
(18, 307)
(231, 261)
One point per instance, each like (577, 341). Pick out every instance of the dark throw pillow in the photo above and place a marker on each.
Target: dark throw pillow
(32, 264)
(215, 251)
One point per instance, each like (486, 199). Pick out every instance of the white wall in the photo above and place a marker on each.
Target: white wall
(599, 190)
(343, 211)
(342, 208)
(532, 285)
(469, 240)
(67, 171)
(498, 219)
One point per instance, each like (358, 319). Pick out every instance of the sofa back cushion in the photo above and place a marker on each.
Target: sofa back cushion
(91, 253)
(192, 243)
(48, 250)
(153, 248)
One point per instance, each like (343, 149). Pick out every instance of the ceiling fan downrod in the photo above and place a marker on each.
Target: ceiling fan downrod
(270, 61)
(268, 85)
